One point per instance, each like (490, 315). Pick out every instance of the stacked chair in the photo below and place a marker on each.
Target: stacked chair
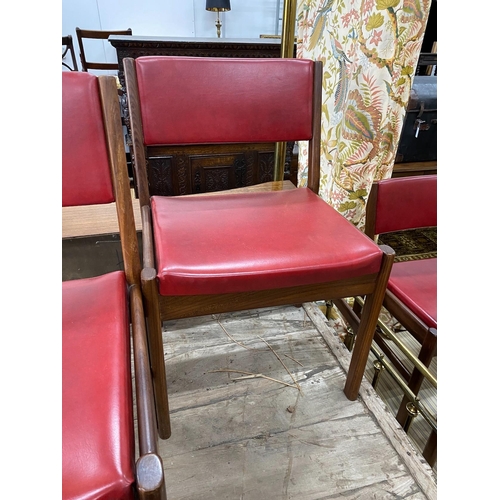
(265, 245)
(82, 35)
(399, 204)
(98, 316)
(67, 44)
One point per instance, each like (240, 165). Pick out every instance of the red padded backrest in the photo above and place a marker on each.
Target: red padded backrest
(406, 203)
(202, 100)
(86, 176)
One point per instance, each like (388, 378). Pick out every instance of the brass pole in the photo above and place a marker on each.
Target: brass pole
(406, 390)
(218, 25)
(287, 43)
(413, 359)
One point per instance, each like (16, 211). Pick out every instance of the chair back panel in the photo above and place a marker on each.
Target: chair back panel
(404, 203)
(191, 100)
(86, 175)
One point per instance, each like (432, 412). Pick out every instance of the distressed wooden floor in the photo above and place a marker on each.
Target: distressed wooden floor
(293, 435)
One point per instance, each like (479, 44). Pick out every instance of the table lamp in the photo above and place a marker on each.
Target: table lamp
(218, 6)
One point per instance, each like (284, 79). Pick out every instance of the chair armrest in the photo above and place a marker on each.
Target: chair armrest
(149, 473)
(149, 467)
(147, 238)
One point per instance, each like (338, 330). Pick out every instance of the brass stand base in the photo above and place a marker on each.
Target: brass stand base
(412, 413)
(218, 25)
(379, 368)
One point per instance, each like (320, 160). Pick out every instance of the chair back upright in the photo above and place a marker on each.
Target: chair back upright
(91, 175)
(402, 203)
(231, 100)
(67, 43)
(97, 35)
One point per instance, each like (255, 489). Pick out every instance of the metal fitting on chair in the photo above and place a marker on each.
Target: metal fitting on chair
(349, 338)
(329, 306)
(412, 413)
(379, 368)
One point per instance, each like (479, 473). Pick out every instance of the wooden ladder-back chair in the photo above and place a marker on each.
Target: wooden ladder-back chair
(67, 43)
(399, 204)
(98, 440)
(97, 35)
(265, 245)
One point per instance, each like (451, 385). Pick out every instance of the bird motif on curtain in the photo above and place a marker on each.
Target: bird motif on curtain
(319, 23)
(340, 93)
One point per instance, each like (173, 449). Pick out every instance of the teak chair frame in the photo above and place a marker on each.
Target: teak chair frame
(82, 34)
(150, 483)
(162, 308)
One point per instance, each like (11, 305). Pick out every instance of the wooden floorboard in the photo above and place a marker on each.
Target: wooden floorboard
(293, 435)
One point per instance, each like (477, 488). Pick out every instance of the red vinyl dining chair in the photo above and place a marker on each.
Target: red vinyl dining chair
(99, 314)
(399, 204)
(265, 245)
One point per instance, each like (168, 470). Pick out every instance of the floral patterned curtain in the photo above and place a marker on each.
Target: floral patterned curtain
(369, 50)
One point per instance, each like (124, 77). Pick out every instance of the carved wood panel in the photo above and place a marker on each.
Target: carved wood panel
(177, 170)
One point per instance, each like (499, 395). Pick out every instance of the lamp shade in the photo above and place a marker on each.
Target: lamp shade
(218, 5)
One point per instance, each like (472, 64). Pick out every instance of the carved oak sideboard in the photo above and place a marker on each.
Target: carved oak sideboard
(180, 170)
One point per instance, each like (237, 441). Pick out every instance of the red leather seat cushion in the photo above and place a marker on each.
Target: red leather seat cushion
(255, 241)
(97, 415)
(415, 284)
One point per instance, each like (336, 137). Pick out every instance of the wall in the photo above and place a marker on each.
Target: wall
(187, 18)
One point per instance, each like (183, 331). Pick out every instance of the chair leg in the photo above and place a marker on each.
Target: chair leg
(430, 450)
(427, 352)
(154, 325)
(351, 318)
(150, 478)
(357, 307)
(366, 330)
(349, 339)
